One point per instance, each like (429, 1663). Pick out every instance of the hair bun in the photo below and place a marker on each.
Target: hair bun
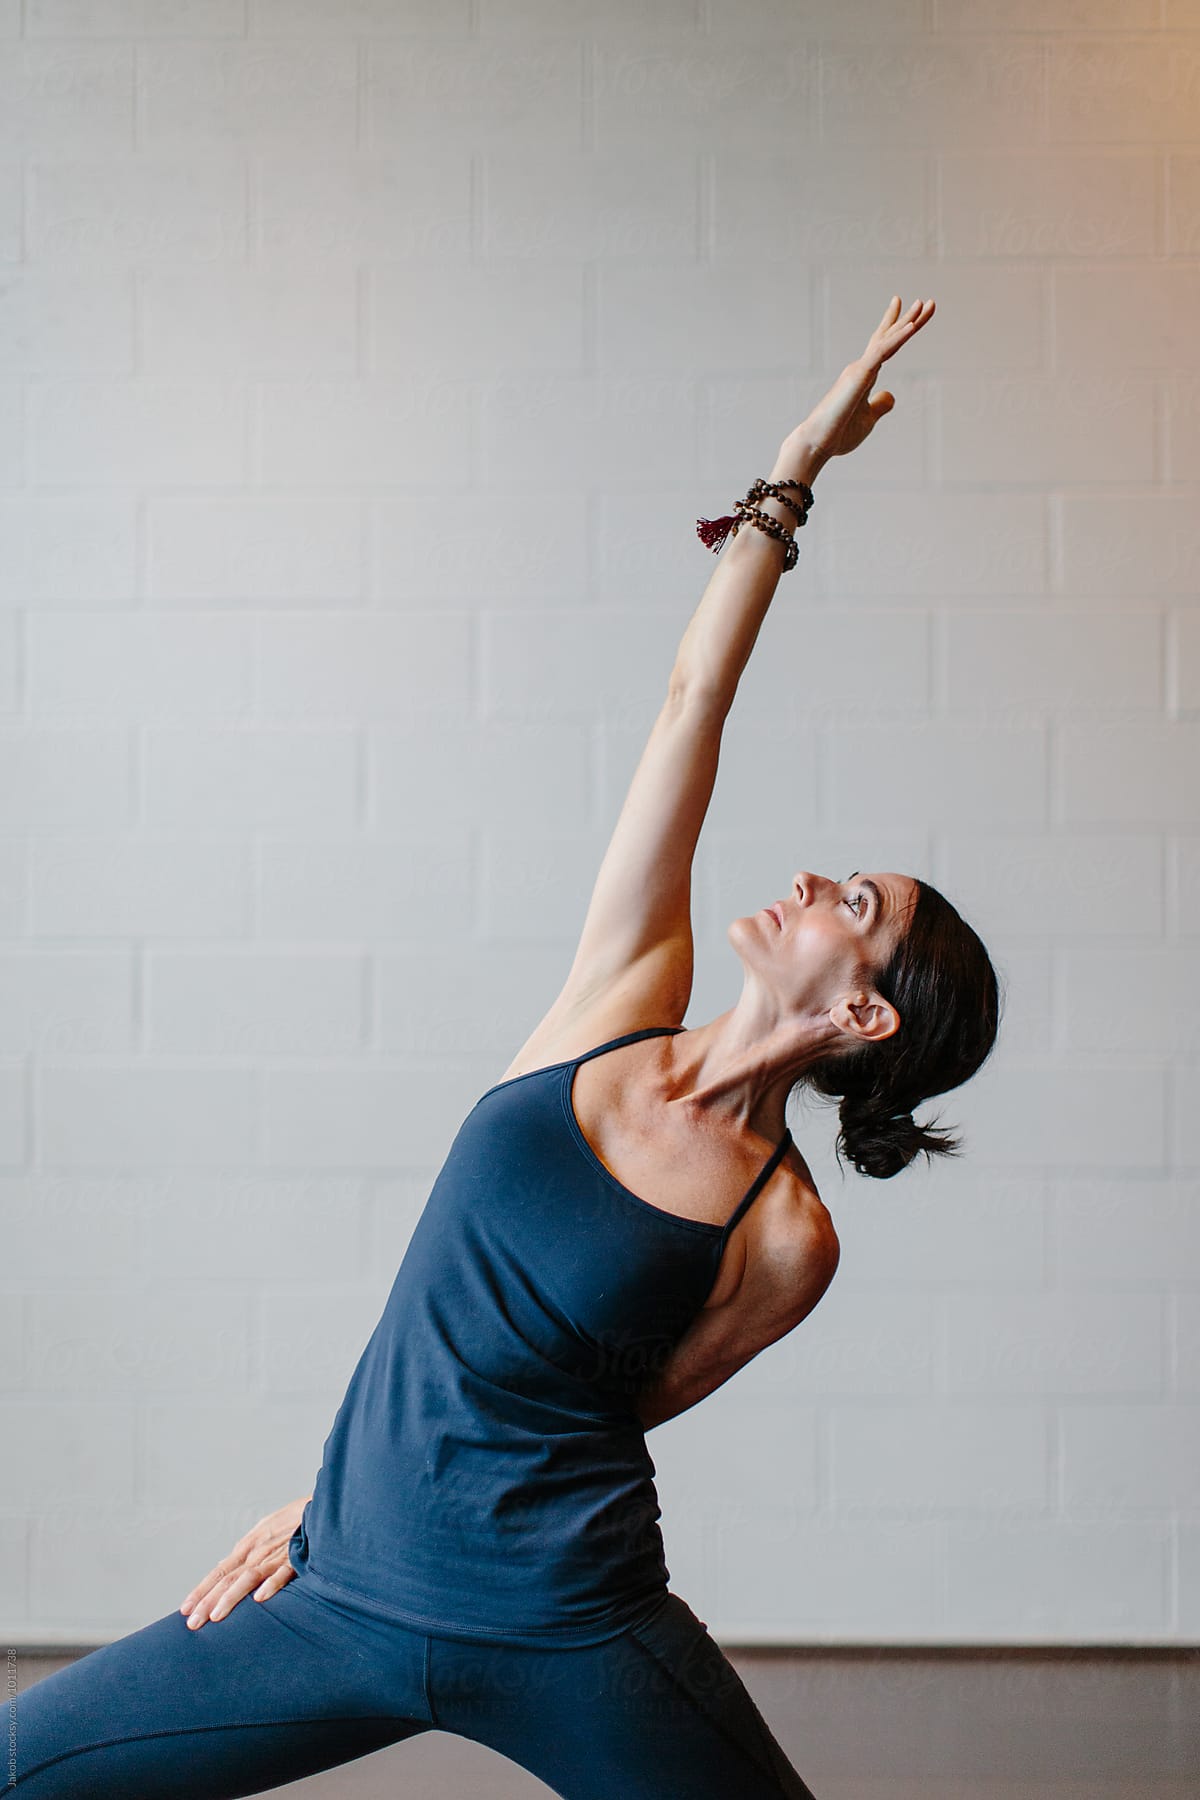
(879, 1138)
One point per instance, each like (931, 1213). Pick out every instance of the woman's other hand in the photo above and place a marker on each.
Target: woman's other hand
(257, 1562)
(849, 411)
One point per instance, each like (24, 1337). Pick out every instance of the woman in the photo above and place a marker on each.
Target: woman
(481, 1551)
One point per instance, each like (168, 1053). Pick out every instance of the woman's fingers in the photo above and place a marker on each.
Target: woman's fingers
(896, 328)
(222, 1598)
(202, 1587)
(219, 1600)
(236, 1590)
(203, 1609)
(918, 314)
(258, 1561)
(274, 1582)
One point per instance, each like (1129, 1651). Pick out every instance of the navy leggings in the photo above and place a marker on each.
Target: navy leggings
(284, 1687)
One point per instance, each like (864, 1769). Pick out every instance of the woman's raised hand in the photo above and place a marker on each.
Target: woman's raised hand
(259, 1561)
(849, 411)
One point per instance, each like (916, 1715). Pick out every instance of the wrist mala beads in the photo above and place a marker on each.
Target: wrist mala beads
(713, 532)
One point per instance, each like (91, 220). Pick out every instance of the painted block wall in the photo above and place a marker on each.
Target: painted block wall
(363, 370)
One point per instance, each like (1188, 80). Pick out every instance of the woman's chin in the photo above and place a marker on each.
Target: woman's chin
(750, 929)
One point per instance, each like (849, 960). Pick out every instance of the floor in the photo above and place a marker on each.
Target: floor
(908, 1725)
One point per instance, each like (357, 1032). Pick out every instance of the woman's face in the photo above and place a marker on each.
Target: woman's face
(814, 943)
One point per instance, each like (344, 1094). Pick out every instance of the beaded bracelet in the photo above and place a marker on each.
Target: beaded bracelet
(713, 532)
(754, 515)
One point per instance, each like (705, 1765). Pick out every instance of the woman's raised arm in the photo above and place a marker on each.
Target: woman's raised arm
(717, 644)
(637, 932)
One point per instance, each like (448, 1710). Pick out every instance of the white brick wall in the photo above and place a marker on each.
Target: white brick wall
(363, 369)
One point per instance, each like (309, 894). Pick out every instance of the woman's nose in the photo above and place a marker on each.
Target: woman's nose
(808, 886)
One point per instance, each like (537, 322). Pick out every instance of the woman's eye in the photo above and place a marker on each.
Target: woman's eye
(859, 896)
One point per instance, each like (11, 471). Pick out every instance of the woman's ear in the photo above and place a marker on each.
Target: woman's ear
(865, 1015)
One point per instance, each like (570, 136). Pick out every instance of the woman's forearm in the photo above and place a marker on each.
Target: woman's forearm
(722, 632)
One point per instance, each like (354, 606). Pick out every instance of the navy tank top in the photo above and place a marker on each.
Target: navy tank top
(486, 1475)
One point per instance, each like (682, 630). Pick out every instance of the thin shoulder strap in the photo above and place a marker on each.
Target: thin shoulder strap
(760, 1180)
(630, 1037)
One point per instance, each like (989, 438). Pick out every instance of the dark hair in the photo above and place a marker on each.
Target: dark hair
(941, 981)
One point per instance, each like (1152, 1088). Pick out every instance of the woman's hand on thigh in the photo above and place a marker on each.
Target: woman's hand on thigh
(258, 1563)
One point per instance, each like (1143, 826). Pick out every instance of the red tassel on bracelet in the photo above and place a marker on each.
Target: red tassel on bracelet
(713, 532)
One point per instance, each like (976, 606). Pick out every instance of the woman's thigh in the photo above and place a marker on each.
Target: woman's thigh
(278, 1689)
(658, 1713)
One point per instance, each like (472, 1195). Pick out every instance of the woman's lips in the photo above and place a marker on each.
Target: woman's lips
(774, 912)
